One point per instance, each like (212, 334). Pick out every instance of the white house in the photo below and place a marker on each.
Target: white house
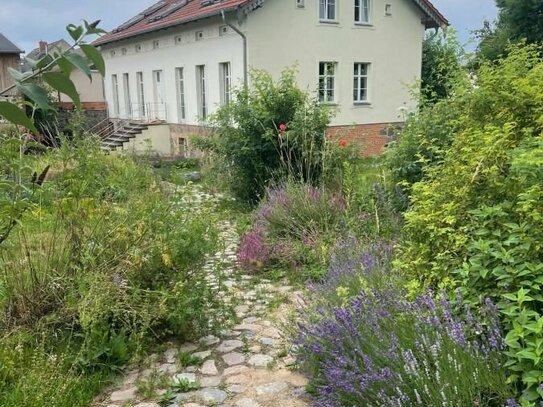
(179, 59)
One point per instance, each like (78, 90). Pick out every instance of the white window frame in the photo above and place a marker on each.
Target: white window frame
(325, 6)
(359, 7)
(115, 94)
(141, 94)
(201, 91)
(327, 82)
(180, 85)
(127, 97)
(361, 93)
(225, 72)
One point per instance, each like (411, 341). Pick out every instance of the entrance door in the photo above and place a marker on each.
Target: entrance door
(159, 108)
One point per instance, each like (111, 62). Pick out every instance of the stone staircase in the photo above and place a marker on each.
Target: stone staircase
(121, 132)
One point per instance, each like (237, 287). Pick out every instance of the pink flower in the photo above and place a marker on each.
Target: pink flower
(283, 128)
(343, 143)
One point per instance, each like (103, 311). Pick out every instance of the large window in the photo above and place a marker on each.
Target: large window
(141, 94)
(328, 10)
(126, 89)
(180, 79)
(201, 91)
(362, 11)
(159, 107)
(360, 88)
(327, 82)
(115, 91)
(225, 82)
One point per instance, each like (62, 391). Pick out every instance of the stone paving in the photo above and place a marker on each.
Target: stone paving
(247, 365)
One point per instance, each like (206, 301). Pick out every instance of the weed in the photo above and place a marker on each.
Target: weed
(186, 359)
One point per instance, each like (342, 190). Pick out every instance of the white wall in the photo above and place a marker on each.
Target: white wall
(89, 91)
(210, 51)
(280, 35)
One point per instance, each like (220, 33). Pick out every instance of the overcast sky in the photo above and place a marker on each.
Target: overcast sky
(26, 22)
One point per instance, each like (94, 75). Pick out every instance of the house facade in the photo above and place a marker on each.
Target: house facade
(9, 58)
(178, 60)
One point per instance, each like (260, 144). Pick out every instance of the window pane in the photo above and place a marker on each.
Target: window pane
(356, 10)
(331, 10)
(322, 10)
(365, 14)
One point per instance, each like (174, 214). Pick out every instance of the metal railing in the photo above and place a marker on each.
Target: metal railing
(148, 111)
(108, 127)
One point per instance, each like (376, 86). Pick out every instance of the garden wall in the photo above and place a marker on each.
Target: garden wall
(370, 138)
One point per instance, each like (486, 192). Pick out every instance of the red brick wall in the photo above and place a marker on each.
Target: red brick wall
(370, 138)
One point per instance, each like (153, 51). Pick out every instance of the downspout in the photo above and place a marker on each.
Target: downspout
(244, 37)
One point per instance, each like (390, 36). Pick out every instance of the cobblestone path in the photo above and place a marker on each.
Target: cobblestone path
(247, 365)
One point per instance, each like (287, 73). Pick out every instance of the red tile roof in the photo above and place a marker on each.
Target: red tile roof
(435, 18)
(194, 10)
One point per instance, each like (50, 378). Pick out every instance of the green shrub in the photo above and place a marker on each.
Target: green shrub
(499, 94)
(101, 263)
(268, 132)
(475, 223)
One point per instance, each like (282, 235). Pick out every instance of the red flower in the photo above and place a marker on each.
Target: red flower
(342, 143)
(283, 128)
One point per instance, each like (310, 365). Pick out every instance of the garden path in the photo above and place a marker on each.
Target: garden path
(247, 365)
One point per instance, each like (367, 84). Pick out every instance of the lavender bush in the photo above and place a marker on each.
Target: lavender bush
(253, 252)
(362, 343)
(382, 351)
(294, 227)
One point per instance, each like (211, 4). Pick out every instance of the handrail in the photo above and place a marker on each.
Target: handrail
(100, 125)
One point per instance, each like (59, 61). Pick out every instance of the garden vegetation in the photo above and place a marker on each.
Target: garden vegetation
(422, 270)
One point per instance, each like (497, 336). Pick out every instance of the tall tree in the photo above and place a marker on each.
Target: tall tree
(442, 70)
(518, 20)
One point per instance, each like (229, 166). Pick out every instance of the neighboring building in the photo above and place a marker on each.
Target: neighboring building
(178, 60)
(9, 58)
(90, 92)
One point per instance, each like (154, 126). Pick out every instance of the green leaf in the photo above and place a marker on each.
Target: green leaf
(92, 28)
(527, 354)
(66, 66)
(15, 74)
(75, 31)
(63, 84)
(96, 57)
(13, 114)
(31, 62)
(36, 93)
(43, 62)
(79, 62)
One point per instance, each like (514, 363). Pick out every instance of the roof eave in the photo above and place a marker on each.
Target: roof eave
(149, 30)
(434, 18)
(18, 52)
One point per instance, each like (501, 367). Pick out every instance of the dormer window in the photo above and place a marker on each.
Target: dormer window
(199, 35)
(178, 39)
(124, 51)
(328, 11)
(138, 48)
(156, 44)
(362, 11)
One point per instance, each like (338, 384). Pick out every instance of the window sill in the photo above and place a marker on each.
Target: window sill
(361, 104)
(363, 25)
(331, 22)
(328, 103)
